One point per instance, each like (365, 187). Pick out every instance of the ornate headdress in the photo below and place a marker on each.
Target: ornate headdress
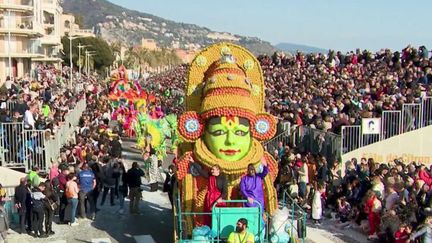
(225, 80)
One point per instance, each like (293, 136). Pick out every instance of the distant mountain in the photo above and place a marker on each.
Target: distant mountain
(115, 23)
(293, 48)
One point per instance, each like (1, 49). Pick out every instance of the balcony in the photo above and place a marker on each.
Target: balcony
(50, 1)
(82, 32)
(17, 5)
(23, 28)
(49, 55)
(51, 40)
(28, 52)
(51, 6)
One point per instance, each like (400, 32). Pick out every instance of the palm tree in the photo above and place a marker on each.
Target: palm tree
(137, 57)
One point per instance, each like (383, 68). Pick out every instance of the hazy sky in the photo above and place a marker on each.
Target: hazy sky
(337, 24)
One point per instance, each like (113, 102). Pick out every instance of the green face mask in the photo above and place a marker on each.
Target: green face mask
(228, 138)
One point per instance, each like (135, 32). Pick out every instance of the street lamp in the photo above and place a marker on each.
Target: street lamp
(87, 60)
(70, 59)
(9, 40)
(79, 56)
(90, 55)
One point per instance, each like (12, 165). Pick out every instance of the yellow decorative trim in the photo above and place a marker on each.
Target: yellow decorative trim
(188, 200)
(207, 158)
(248, 64)
(270, 195)
(213, 54)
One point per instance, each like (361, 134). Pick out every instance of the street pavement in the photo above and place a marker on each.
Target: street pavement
(155, 224)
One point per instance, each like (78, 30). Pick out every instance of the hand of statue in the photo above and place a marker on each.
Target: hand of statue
(264, 161)
(219, 200)
(250, 200)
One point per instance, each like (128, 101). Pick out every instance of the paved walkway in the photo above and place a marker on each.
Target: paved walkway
(326, 232)
(154, 225)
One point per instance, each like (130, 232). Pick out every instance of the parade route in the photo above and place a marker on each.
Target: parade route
(153, 225)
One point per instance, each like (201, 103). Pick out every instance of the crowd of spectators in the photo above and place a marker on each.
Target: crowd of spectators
(390, 202)
(169, 88)
(89, 168)
(40, 102)
(327, 91)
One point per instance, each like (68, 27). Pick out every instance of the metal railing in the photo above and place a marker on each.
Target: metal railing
(318, 142)
(20, 147)
(393, 123)
(296, 221)
(297, 217)
(182, 236)
(284, 138)
(28, 3)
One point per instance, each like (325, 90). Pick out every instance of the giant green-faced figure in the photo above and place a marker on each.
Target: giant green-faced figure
(224, 124)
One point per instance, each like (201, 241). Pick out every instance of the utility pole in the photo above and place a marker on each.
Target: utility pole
(79, 56)
(70, 59)
(9, 49)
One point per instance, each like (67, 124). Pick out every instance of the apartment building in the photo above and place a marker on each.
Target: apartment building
(30, 34)
(20, 28)
(68, 27)
(50, 43)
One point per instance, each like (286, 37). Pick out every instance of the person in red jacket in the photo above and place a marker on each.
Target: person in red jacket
(424, 175)
(372, 208)
(403, 233)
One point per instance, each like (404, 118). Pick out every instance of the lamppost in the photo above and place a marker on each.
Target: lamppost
(70, 59)
(90, 55)
(9, 49)
(87, 60)
(79, 56)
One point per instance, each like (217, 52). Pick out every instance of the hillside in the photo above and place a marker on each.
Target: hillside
(293, 48)
(115, 23)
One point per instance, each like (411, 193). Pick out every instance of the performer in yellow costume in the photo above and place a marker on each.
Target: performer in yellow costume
(224, 124)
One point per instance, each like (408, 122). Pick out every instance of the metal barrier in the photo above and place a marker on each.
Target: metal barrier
(297, 216)
(318, 142)
(390, 124)
(182, 235)
(351, 138)
(10, 105)
(426, 117)
(26, 148)
(393, 123)
(411, 116)
(273, 143)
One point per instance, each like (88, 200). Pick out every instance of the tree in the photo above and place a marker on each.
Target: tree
(139, 58)
(103, 54)
(79, 20)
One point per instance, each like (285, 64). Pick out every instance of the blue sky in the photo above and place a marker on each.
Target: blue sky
(336, 24)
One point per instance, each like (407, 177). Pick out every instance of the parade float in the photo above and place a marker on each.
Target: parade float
(128, 99)
(224, 124)
(138, 114)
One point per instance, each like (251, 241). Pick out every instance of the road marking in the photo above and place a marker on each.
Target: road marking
(155, 208)
(144, 239)
(101, 240)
